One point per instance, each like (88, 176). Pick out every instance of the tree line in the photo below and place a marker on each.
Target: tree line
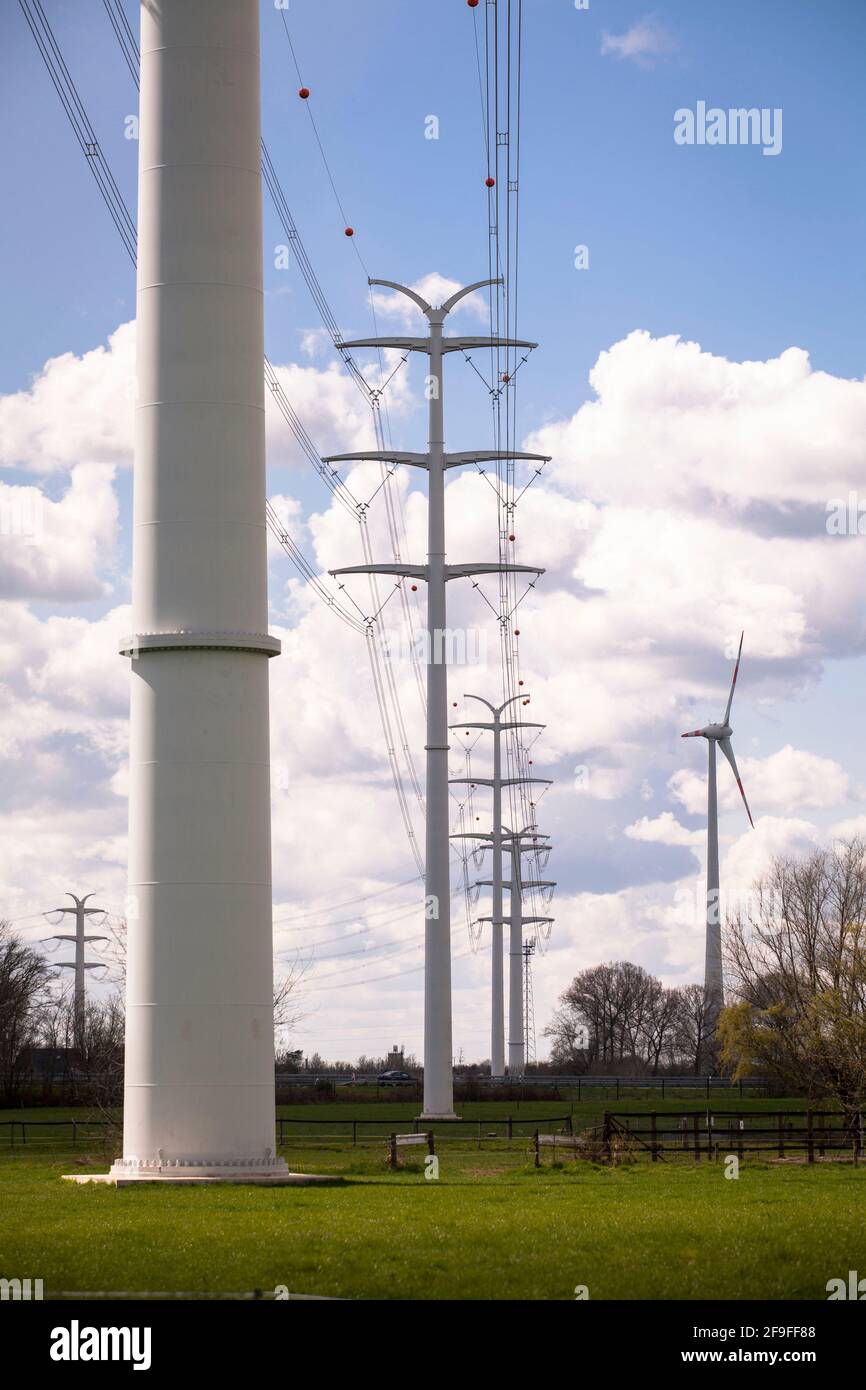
(795, 985)
(795, 961)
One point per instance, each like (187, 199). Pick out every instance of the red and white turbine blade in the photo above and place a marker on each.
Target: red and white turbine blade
(696, 733)
(734, 681)
(725, 745)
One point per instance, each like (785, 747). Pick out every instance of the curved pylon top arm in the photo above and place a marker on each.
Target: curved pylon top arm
(468, 289)
(404, 289)
(491, 707)
(429, 308)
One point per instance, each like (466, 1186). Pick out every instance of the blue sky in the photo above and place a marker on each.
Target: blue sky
(745, 254)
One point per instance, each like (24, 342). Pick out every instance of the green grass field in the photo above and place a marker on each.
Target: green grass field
(490, 1227)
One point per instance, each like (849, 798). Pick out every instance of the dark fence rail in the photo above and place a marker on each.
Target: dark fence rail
(35, 1080)
(711, 1134)
(37, 1090)
(15, 1134)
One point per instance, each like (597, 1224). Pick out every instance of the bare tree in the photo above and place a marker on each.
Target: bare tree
(24, 977)
(691, 1027)
(613, 1015)
(797, 960)
(662, 1012)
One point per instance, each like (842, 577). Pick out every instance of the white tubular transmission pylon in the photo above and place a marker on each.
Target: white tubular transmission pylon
(199, 1084)
(438, 1062)
(497, 782)
(713, 975)
(79, 964)
(526, 841)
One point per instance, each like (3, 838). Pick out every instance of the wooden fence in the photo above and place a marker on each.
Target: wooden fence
(711, 1134)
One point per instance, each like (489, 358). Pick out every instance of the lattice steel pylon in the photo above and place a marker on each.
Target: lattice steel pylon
(438, 1075)
(528, 1002)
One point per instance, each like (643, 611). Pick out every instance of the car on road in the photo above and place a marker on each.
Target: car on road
(394, 1078)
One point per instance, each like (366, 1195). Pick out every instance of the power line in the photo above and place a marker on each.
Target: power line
(123, 221)
(350, 902)
(66, 90)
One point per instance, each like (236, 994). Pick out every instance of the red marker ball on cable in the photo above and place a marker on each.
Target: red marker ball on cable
(303, 93)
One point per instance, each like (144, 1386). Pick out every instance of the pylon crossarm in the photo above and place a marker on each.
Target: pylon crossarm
(468, 456)
(407, 571)
(406, 344)
(379, 456)
(503, 781)
(526, 883)
(523, 919)
(467, 344)
(507, 841)
(60, 936)
(468, 571)
(492, 728)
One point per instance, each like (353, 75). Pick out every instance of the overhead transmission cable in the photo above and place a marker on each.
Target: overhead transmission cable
(52, 56)
(71, 102)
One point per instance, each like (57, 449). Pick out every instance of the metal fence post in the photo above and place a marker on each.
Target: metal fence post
(810, 1138)
(537, 1153)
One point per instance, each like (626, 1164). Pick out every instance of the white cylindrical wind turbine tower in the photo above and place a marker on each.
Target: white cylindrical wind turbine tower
(713, 979)
(199, 1089)
(716, 734)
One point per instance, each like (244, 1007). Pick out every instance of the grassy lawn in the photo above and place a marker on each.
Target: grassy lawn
(491, 1227)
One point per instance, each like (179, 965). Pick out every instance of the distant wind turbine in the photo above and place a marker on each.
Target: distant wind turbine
(717, 734)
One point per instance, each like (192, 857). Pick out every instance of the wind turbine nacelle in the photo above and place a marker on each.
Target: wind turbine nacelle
(717, 731)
